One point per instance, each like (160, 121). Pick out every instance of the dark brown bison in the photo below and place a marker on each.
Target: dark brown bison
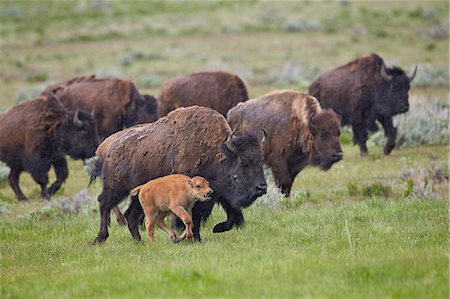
(195, 141)
(116, 103)
(363, 91)
(299, 133)
(217, 90)
(37, 134)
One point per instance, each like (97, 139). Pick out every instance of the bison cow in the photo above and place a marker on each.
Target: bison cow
(299, 133)
(195, 141)
(116, 103)
(37, 134)
(363, 91)
(217, 90)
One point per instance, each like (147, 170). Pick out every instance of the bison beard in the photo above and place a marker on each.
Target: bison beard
(191, 141)
(364, 91)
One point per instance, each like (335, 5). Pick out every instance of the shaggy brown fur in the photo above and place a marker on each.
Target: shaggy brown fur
(116, 102)
(174, 193)
(37, 134)
(217, 90)
(364, 91)
(191, 141)
(299, 133)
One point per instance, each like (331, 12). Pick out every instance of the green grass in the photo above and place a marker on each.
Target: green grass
(356, 231)
(327, 243)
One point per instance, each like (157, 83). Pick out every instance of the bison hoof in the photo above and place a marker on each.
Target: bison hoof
(175, 240)
(98, 241)
(221, 227)
(388, 150)
(364, 153)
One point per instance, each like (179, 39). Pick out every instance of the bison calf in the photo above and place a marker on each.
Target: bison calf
(177, 193)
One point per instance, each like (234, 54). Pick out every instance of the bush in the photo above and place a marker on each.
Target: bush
(429, 75)
(420, 181)
(425, 123)
(4, 172)
(376, 189)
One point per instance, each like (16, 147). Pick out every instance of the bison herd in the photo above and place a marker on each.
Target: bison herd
(201, 125)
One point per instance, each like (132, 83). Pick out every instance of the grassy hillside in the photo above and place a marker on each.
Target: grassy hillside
(370, 227)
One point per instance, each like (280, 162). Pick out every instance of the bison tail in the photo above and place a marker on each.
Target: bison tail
(136, 190)
(96, 171)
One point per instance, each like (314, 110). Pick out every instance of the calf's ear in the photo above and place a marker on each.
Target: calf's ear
(221, 157)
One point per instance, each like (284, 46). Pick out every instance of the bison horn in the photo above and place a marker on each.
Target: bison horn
(76, 119)
(93, 113)
(229, 143)
(413, 75)
(384, 73)
(264, 138)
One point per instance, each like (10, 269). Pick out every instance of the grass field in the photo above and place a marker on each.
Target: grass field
(374, 227)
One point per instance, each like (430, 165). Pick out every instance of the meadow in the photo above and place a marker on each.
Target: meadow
(373, 227)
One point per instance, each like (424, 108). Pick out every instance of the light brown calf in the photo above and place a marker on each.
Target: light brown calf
(175, 193)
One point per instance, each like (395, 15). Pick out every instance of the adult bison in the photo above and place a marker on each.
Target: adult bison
(363, 91)
(37, 134)
(195, 141)
(299, 133)
(217, 90)
(116, 103)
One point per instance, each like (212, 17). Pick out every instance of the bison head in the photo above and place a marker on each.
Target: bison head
(396, 87)
(325, 127)
(241, 166)
(78, 135)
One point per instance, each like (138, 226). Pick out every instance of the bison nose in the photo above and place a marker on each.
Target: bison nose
(261, 189)
(338, 156)
(209, 194)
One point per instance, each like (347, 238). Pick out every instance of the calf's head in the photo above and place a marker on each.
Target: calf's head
(325, 128)
(201, 188)
(241, 170)
(78, 135)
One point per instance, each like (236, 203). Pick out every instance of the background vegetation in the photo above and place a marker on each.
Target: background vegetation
(369, 227)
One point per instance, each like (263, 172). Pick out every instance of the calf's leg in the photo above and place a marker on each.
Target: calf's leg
(187, 220)
(162, 225)
(119, 216)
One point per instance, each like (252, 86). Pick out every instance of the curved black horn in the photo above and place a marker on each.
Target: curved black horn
(229, 144)
(384, 73)
(76, 119)
(413, 74)
(264, 138)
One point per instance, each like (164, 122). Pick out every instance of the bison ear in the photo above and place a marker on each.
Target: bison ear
(221, 157)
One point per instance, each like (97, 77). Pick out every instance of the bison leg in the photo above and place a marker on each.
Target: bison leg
(163, 226)
(360, 136)
(14, 183)
(62, 172)
(105, 211)
(41, 178)
(390, 131)
(119, 216)
(134, 215)
(234, 217)
(187, 220)
(200, 211)
(150, 226)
